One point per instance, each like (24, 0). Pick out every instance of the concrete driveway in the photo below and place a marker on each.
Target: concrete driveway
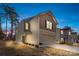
(66, 47)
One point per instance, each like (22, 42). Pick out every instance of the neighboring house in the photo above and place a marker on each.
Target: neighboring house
(39, 30)
(68, 36)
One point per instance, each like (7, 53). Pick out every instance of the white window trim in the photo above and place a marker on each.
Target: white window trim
(27, 26)
(69, 33)
(49, 25)
(61, 38)
(61, 31)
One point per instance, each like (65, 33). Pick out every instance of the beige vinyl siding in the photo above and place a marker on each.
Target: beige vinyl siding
(47, 37)
(33, 37)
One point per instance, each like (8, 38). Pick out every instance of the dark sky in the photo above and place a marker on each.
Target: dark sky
(65, 14)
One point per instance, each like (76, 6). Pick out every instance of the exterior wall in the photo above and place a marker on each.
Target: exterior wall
(47, 37)
(72, 38)
(43, 19)
(20, 32)
(33, 37)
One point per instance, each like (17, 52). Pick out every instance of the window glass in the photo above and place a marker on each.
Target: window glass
(61, 31)
(49, 25)
(69, 33)
(61, 38)
(26, 26)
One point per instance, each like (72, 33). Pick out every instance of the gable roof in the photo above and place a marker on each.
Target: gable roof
(67, 28)
(49, 12)
(41, 13)
(74, 33)
(28, 19)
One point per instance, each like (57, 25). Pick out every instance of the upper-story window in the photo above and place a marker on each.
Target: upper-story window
(48, 25)
(69, 33)
(61, 31)
(27, 26)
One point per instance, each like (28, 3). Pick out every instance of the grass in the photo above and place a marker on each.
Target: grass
(10, 48)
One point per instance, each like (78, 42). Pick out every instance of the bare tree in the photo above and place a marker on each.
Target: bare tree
(12, 15)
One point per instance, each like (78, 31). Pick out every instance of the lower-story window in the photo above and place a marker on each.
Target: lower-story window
(62, 39)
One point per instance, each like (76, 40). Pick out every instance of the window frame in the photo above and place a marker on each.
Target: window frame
(62, 32)
(69, 33)
(25, 26)
(48, 26)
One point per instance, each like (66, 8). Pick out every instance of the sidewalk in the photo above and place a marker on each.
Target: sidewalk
(66, 47)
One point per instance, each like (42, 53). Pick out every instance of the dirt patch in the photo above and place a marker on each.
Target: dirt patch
(10, 48)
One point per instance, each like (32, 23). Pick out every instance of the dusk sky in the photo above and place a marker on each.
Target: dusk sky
(65, 14)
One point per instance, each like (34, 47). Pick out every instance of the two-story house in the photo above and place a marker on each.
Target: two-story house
(67, 35)
(39, 30)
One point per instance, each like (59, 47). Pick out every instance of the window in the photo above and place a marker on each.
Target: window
(49, 25)
(69, 33)
(61, 38)
(27, 26)
(61, 31)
